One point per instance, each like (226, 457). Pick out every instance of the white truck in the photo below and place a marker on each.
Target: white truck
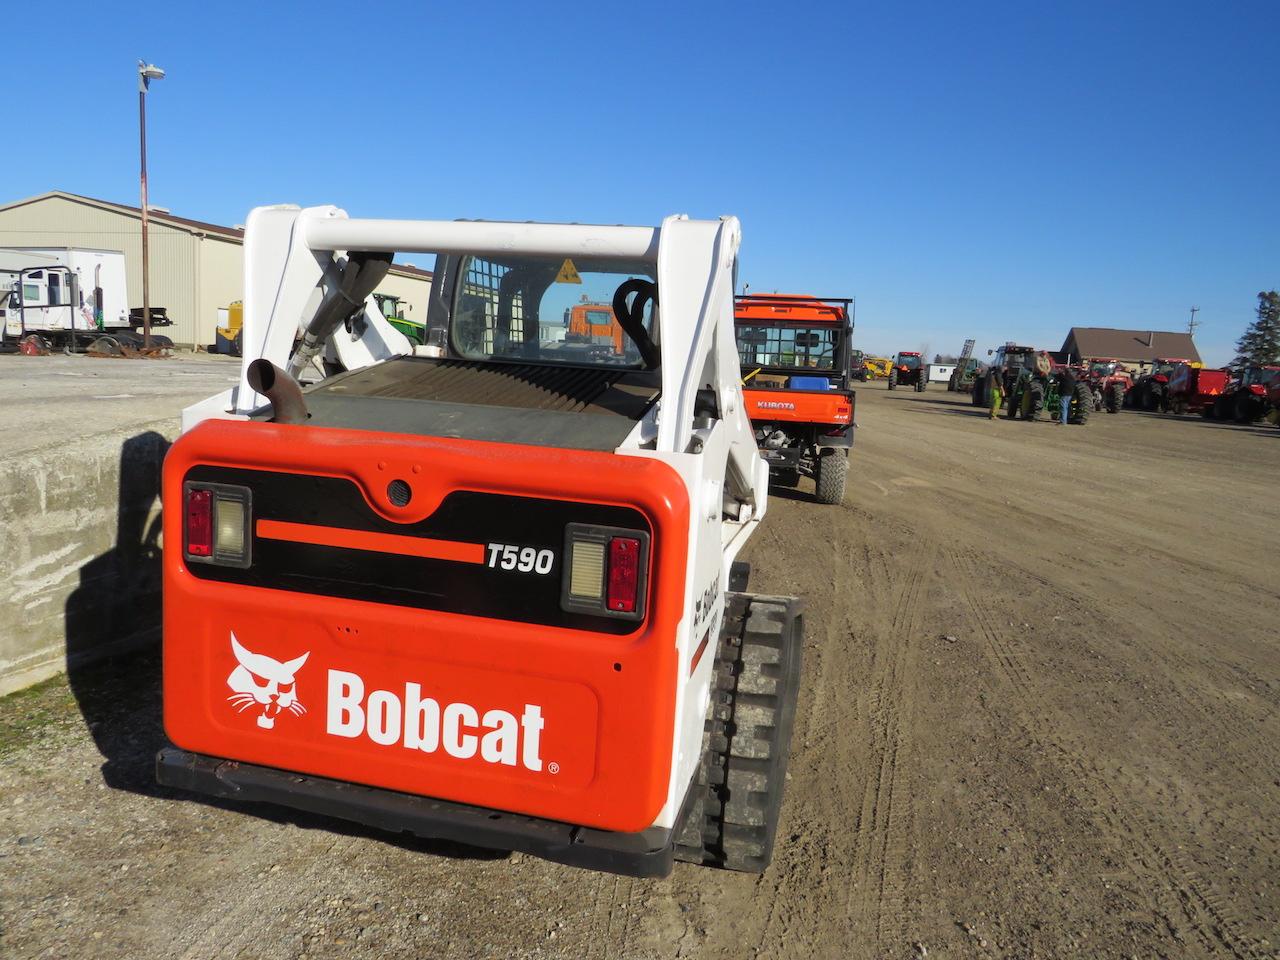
(69, 298)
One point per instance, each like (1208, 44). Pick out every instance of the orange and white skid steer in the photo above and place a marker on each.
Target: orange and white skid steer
(489, 596)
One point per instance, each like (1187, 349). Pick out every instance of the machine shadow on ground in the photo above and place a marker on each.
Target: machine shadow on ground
(113, 622)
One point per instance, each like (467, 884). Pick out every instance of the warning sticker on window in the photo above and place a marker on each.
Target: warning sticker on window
(568, 273)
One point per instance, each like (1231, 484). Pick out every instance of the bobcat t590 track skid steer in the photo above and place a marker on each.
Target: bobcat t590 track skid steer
(489, 596)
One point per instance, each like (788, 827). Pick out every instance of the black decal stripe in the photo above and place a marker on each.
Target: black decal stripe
(464, 516)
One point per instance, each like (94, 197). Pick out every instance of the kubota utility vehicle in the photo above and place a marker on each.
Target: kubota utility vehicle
(795, 358)
(909, 370)
(490, 596)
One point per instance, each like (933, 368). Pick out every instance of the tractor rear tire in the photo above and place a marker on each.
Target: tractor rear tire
(830, 474)
(921, 382)
(1036, 390)
(1078, 412)
(733, 814)
(893, 379)
(1247, 408)
(1115, 398)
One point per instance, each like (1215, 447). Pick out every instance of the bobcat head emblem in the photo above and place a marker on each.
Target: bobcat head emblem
(261, 681)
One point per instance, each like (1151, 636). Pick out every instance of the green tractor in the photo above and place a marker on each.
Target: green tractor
(391, 309)
(1031, 384)
(1039, 388)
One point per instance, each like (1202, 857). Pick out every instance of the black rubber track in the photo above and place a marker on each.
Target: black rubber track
(733, 818)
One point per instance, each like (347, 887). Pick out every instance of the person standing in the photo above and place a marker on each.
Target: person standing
(995, 391)
(1067, 389)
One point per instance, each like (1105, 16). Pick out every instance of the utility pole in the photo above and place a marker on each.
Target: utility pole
(1193, 323)
(146, 73)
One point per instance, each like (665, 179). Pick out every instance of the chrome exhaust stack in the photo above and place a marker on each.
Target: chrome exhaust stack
(287, 403)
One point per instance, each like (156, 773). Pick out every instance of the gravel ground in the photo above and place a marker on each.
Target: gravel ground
(1039, 718)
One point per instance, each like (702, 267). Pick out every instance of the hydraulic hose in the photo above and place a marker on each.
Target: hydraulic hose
(361, 275)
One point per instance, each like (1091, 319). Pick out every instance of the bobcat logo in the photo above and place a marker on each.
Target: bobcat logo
(260, 680)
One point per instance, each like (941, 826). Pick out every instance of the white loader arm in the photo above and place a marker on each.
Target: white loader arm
(287, 279)
(696, 265)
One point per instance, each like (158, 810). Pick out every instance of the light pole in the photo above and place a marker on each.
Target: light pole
(146, 73)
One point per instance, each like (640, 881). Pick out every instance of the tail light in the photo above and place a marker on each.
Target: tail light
(624, 575)
(216, 524)
(606, 573)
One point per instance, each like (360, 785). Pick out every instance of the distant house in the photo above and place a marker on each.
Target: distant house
(1137, 348)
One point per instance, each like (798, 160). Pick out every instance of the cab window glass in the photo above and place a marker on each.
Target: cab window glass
(543, 309)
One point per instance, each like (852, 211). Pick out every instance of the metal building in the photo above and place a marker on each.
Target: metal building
(196, 267)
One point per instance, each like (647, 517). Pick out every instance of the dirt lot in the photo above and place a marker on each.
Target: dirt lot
(1040, 718)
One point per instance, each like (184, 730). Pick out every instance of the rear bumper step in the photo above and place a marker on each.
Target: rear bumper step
(645, 854)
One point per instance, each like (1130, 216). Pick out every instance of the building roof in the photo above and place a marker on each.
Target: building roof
(1129, 344)
(235, 234)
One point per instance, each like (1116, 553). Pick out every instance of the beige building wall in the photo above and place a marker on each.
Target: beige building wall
(219, 282)
(56, 222)
(193, 272)
(412, 291)
(59, 222)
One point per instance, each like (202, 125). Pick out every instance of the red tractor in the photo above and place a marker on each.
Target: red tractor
(1150, 392)
(1109, 381)
(1195, 389)
(908, 370)
(1246, 398)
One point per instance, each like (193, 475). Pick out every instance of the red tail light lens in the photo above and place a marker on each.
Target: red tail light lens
(200, 523)
(606, 571)
(217, 520)
(624, 574)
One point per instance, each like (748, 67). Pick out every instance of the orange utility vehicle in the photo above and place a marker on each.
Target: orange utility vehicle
(490, 596)
(795, 356)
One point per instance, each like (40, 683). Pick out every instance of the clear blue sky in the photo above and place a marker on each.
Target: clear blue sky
(998, 170)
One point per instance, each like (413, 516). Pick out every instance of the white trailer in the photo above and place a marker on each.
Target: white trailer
(941, 372)
(54, 298)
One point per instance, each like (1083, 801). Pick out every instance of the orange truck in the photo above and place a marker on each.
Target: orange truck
(595, 325)
(795, 356)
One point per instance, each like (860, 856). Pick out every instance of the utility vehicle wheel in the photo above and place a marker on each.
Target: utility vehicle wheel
(1151, 398)
(1179, 406)
(1207, 411)
(893, 379)
(1082, 406)
(1222, 409)
(733, 815)
(1115, 398)
(921, 383)
(829, 475)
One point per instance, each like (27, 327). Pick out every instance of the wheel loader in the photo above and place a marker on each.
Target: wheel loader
(489, 596)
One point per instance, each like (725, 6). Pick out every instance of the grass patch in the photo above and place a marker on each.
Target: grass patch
(25, 711)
